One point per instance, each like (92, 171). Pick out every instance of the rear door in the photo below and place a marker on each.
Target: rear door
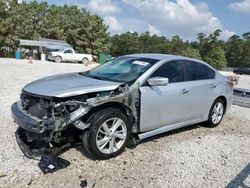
(200, 82)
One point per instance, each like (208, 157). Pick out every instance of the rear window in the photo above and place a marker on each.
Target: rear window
(198, 71)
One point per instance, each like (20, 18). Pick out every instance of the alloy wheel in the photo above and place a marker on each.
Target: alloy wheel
(217, 113)
(111, 136)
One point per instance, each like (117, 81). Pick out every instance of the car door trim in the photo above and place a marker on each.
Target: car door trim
(169, 128)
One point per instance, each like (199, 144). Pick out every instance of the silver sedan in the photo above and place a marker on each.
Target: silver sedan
(129, 98)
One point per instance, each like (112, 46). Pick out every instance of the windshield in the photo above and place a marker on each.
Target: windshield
(61, 50)
(122, 69)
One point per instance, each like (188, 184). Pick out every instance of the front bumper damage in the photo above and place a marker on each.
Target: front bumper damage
(27, 122)
(33, 150)
(35, 136)
(28, 125)
(45, 123)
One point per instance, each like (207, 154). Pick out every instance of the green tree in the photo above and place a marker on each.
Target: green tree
(202, 44)
(212, 50)
(246, 53)
(234, 51)
(216, 57)
(246, 36)
(126, 43)
(8, 37)
(177, 45)
(191, 52)
(32, 20)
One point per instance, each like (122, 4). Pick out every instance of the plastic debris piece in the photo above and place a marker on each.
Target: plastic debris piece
(2, 175)
(83, 183)
(50, 163)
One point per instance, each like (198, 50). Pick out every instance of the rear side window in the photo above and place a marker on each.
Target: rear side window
(197, 71)
(173, 70)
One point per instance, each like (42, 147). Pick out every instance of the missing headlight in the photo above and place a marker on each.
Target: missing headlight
(59, 108)
(72, 107)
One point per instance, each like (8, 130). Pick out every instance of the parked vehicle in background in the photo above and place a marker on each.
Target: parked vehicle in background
(134, 96)
(69, 55)
(242, 71)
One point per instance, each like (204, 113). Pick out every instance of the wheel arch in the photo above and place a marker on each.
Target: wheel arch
(85, 58)
(123, 108)
(224, 99)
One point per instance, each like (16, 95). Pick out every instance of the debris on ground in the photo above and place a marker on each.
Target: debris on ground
(83, 183)
(29, 182)
(2, 175)
(50, 163)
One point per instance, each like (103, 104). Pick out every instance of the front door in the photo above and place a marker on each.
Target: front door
(69, 55)
(164, 105)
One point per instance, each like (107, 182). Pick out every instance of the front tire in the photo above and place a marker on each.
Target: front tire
(216, 113)
(109, 133)
(58, 59)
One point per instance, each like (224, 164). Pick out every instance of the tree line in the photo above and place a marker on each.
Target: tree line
(87, 33)
(235, 52)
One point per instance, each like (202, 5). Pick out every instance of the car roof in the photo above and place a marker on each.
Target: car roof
(161, 56)
(167, 57)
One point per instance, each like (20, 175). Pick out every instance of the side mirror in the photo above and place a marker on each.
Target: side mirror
(158, 81)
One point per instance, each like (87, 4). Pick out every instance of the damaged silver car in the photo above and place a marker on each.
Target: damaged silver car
(128, 98)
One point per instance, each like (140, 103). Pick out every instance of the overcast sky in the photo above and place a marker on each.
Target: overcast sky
(170, 17)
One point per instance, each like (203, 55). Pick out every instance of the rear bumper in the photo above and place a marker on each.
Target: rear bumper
(25, 120)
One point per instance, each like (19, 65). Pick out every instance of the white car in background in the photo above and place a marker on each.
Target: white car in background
(69, 55)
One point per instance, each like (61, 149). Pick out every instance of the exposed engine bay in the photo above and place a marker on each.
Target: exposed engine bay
(55, 121)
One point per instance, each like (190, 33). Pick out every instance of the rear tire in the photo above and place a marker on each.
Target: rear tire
(108, 135)
(85, 61)
(216, 113)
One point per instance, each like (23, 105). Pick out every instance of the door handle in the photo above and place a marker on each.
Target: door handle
(213, 86)
(184, 91)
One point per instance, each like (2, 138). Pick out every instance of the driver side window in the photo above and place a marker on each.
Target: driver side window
(68, 51)
(173, 70)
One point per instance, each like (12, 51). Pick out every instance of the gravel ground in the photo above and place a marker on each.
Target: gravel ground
(190, 157)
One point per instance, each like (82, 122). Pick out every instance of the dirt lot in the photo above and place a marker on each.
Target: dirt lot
(191, 157)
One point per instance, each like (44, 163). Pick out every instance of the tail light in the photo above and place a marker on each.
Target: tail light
(232, 80)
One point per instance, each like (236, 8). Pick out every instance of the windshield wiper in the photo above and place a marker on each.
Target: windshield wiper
(97, 77)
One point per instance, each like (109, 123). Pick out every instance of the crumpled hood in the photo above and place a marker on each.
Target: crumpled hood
(70, 84)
